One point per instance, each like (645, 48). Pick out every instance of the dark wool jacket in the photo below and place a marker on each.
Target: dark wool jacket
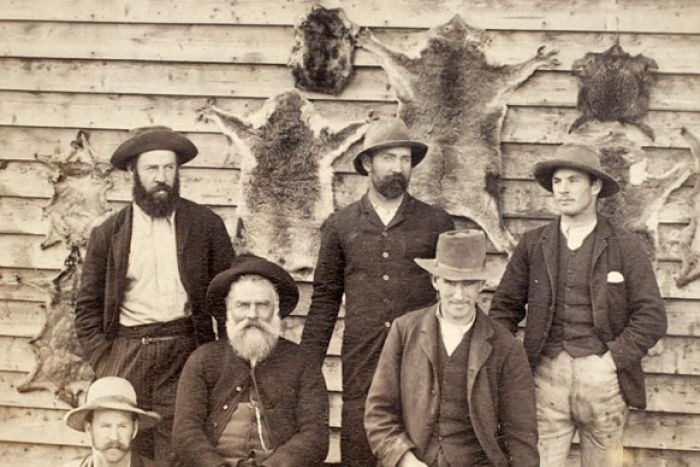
(203, 250)
(629, 316)
(293, 394)
(373, 265)
(404, 397)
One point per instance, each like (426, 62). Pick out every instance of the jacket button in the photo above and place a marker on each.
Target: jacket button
(385, 277)
(384, 234)
(225, 407)
(215, 424)
(387, 324)
(238, 389)
(385, 254)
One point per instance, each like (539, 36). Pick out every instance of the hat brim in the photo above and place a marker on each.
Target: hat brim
(248, 264)
(153, 141)
(418, 152)
(545, 170)
(76, 417)
(450, 273)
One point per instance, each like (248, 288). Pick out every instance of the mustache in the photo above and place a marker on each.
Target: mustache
(116, 445)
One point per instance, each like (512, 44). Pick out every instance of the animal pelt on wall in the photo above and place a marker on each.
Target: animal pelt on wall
(80, 182)
(324, 43)
(690, 238)
(451, 97)
(614, 86)
(287, 150)
(642, 194)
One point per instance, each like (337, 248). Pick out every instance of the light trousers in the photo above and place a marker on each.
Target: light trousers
(579, 394)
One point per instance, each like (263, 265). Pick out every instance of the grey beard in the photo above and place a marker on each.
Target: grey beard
(253, 343)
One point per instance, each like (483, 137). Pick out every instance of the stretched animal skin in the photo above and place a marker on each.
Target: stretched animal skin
(614, 86)
(690, 242)
(79, 202)
(451, 97)
(642, 194)
(287, 150)
(324, 43)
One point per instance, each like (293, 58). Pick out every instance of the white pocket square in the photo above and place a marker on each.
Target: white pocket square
(615, 277)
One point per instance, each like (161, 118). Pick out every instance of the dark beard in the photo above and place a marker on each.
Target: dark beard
(156, 206)
(392, 187)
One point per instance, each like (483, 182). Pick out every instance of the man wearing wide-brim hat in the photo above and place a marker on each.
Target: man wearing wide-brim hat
(593, 311)
(252, 398)
(112, 418)
(367, 251)
(452, 388)
(141, 306)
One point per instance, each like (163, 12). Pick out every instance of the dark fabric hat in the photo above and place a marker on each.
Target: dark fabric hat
(460, 255)
(152, 138)
(389, 133)
(578, 157)
(110, 393)
(251, 264)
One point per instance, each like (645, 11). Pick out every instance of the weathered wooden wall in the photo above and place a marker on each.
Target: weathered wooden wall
(111, 65)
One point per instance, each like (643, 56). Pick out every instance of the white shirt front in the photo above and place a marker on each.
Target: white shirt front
(452, 334)
(154, 291)
(387, 213)
(576, 234)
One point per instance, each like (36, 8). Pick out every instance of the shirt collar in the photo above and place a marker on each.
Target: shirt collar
(581, 231)
(446, 325)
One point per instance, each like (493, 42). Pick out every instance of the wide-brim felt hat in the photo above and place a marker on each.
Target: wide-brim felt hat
(460, 255)
(577, 157)
(250, 264)
(153, 138)
(110, 393)
(389, 133)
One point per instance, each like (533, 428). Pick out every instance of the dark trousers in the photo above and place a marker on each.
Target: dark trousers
(354, 447)
(153, 367)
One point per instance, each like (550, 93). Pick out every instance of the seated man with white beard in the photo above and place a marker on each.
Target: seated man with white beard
(253, 398)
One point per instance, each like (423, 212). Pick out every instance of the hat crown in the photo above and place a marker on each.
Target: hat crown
(461, 249)
(580, 154)
(111, 388)
(386, 130)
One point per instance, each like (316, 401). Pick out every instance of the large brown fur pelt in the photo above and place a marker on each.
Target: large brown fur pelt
(690, 242)
(287, 150)
(451, 97)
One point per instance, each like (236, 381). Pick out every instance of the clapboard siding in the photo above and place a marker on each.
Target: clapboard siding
(592, 15)
(71, 65)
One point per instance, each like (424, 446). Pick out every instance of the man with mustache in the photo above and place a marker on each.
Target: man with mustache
(593, 311)
(255, 398)
(112, 419)
(452, 389)
(367, 252)
(141, 305)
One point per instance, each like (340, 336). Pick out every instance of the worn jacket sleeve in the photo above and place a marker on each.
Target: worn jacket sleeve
(516, 411)
(89, 310)
(309, 446)
(220, 253)
(647, 315)
(190, 440)
(383, 412)
(328, 292)
(508, 303)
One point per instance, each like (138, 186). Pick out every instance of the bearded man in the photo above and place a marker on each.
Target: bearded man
(367, 253)
(254, 399)
(141, 309)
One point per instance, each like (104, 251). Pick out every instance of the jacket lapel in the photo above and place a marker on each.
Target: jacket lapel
(479, 351)
(549, 242)
(121, 246)
(404, 209)
(429, 338)
(597, 278)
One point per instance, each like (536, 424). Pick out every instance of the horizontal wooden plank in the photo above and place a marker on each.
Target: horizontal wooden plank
(86, 111)
(595, 15)
(542, 125)
(636, 457)
(673, 393)
(670, 92)
(36, 455)
(24, 283)
(662, 431)
(10, 397)
(251, 44)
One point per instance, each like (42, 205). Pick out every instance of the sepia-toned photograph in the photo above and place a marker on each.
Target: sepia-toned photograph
(350, 233)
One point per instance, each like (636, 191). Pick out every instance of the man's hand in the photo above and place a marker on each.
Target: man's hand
(410, 460)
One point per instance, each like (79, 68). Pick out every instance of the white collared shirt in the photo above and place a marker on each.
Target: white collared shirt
(154, 291)
(452, 334)
(576, 234)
